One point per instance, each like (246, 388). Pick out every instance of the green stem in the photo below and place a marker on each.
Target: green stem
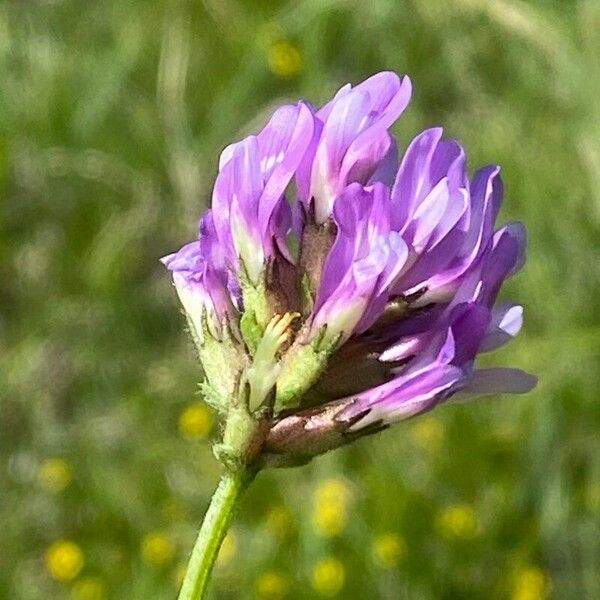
(213, 530)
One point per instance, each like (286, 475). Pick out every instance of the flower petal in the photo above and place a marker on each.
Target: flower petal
(506, 322)
(499, 380)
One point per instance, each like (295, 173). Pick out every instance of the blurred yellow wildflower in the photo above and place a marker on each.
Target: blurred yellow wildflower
(228, 550)
(157, 549)
(88, 588)
(328, 576)
(458, 521)
(285, 59)
(64, 560)
(530, 584)
(428, 433)
(279, 520)
(54, 475)
(272, 585)
(330, 504)
(329, 519)
(196, 421)
(389, 549)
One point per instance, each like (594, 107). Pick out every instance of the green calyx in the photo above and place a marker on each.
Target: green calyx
(249, 416)
(300, 370)
(222, 361)
(256, 313)
(271, 370)
(243, 437)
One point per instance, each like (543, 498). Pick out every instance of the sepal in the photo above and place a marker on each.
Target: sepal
(301, 367)
(255, 316)
(243, 437)
(296, 439)
(222, 361)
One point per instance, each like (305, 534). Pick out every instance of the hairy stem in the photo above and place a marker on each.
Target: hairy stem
(212, 532)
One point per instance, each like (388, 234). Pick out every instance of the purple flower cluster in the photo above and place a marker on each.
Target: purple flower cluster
(393, 266)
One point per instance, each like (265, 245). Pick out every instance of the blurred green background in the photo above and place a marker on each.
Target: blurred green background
(112, 114)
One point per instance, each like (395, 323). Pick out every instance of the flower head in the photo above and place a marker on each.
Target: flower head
(359, 297)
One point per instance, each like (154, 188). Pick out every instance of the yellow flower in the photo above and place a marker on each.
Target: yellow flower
(157, 549)
(328, 577)
(285, 59)
(329, 520)
(64, 560)
(228, 550)
(272, 585)
(54, 475)
(196, 421)
(530, 584)
(428, 433)
(88, 588)
(389, 549)
(330, 507)
(458, 521)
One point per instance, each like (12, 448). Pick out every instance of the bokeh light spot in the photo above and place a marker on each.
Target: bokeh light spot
(196, 421)
(54, 475)
(328, 577)
(285, 59)
(389, 549)
(157, 549)
(530, 584)
(64, 560)
(330, 507)
(272, 585)
(89, 588)
(458, 521)
(428, 433)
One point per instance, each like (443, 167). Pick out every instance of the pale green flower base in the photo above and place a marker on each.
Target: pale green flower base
(212, 532)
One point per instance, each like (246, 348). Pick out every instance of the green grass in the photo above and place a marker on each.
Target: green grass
(112, 115)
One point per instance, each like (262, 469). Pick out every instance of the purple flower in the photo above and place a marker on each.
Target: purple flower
(352, 140)
(250, 212)
(365, 258)
(201, 281)
(429, 356)
(387, 273)
(447, 220)
(437, 361)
